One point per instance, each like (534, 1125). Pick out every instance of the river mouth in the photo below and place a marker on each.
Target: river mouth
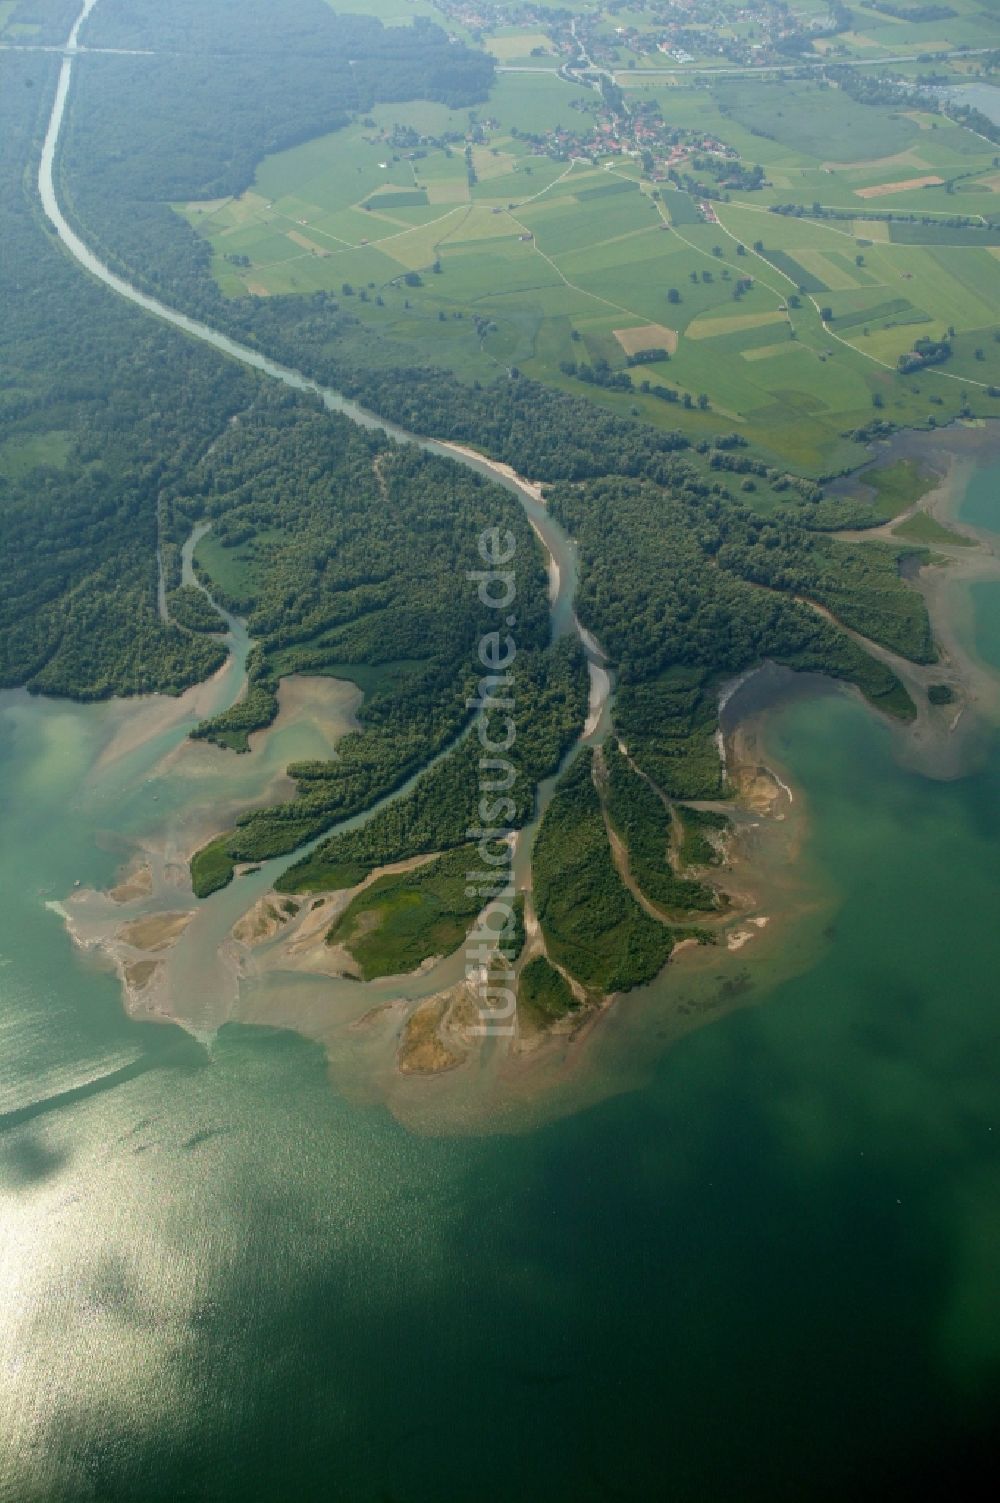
(783, 907)
(817, 1173)
(203, 979)
(201, 966)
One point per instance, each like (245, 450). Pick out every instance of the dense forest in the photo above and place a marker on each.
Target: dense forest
(223, 89)
(549, 691)
(349, 555)
(100, 409)
(363, 60)
(50, 20)
(190, 607)
(543, 993)
(592, 924)
(699, 608)
(642, 818)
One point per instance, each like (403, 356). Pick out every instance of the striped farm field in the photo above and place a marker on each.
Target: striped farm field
(712, 327)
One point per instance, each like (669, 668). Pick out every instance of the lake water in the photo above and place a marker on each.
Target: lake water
(766, 1270)
(977, 96)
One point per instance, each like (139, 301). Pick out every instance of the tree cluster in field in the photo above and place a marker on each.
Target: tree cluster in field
(728, 172)
(877, 428)
(960, 228)
(925, 352)
(914, 14)
(598, 374)
(649, 356)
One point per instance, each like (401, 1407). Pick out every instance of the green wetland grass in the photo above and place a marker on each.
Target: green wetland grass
(402, 920)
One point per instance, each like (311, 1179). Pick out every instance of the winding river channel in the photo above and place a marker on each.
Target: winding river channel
(560, 548)
(198, 979)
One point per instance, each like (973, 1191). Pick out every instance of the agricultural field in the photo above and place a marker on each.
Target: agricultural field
(15, 31)
(878, 33)
(543, 231)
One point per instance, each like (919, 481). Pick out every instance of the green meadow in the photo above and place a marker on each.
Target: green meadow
(30, 451)
(404, 918)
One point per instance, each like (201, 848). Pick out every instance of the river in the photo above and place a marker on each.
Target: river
(757, 1261)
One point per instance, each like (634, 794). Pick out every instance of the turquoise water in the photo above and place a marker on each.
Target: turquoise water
(980, 505)
(986, 611)
(768, 1273)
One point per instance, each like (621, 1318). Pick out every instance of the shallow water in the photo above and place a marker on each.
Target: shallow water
(763, 1266)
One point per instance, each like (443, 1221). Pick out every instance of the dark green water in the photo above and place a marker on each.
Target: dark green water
(981, 508)
(768, 1274)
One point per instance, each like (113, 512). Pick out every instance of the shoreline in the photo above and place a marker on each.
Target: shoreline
(955, 734)
(532, 488)
(420, 1024)
(390, 1039)
(944, 741)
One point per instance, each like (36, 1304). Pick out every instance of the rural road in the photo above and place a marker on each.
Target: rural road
(692, 70)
